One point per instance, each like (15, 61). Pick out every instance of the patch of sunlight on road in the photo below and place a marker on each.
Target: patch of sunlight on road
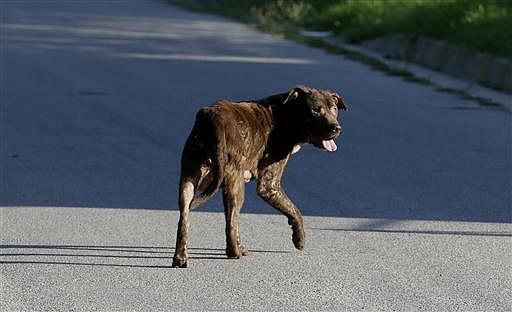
(216, 58)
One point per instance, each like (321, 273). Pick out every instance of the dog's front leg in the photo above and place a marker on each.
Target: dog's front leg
(270, 190)
(233, 199)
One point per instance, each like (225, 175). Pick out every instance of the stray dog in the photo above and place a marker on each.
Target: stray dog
(233, 143)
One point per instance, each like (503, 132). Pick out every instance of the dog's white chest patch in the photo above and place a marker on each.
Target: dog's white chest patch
(296, 148)
(247, 175)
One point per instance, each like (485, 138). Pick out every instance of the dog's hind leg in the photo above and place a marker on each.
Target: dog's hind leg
(186, 194)
(233, 198)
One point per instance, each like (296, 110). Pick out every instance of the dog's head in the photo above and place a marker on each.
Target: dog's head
(317, 113)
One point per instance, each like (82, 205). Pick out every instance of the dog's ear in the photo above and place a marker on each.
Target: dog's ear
(340, 102)
(296, 93)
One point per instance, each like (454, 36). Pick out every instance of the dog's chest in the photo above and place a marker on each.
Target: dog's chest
(296, 148)
(247, 176)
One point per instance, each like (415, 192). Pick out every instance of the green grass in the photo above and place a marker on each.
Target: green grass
(279, 17)
(479, 25)
(481, 101)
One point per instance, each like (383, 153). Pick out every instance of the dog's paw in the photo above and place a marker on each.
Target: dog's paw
(243, 250)
(233, 253)
(298, 236)
(178, 262)
(298, 239)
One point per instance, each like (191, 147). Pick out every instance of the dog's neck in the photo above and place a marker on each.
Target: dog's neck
(287, 140)
(273, 100)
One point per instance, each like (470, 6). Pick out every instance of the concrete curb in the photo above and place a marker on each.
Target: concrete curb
(393, 55)
(481, 68)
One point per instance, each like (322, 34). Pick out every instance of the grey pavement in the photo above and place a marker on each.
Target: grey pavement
(412, 213)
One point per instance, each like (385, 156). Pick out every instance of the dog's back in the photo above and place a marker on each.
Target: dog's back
(227, 139)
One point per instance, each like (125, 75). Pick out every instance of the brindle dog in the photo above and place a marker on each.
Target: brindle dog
(233, 143)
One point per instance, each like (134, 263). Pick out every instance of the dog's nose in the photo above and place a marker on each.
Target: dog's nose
(336, 129)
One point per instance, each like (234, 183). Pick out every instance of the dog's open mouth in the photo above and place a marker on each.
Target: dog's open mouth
(329, 145)
(326, 145)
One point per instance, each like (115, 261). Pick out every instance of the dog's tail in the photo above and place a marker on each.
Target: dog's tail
(215, 161)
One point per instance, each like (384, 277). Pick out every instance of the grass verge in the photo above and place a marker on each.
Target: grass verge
(479, 25)
(264, 14)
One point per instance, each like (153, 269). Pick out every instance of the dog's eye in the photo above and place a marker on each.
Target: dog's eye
(316, 110)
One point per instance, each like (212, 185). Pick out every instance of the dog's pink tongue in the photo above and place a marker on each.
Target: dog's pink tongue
(329, 145)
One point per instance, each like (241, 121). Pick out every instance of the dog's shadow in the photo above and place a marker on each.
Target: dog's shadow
(160, 257)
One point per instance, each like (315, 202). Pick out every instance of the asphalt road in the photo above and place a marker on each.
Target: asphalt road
(412, 213)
